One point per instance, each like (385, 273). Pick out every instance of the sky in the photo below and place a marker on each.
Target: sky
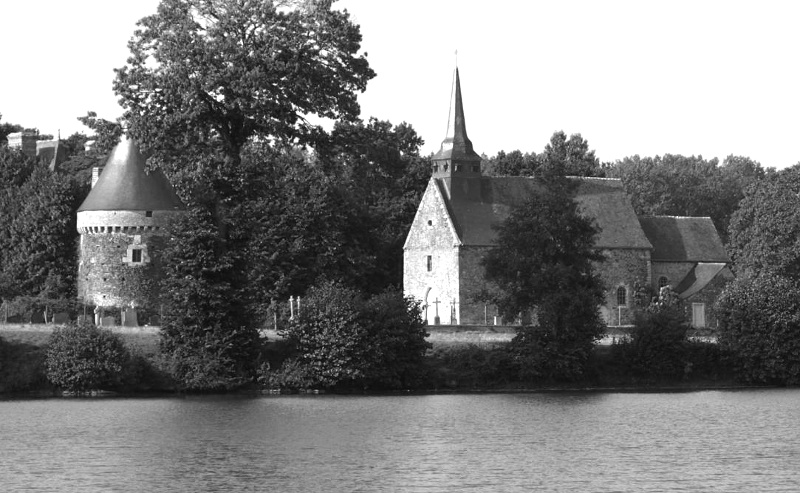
(710, 78)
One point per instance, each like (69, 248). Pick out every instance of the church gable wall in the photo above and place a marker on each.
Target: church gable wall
(430, 258)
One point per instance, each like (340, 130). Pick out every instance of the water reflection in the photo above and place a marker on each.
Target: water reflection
(704, 441)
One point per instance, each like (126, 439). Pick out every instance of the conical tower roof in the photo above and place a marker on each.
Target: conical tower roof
(456, 145)
(125, 186)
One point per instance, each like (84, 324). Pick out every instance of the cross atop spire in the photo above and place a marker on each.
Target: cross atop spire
(456, 147)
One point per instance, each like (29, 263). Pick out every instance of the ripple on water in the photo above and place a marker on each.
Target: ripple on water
(703, 441)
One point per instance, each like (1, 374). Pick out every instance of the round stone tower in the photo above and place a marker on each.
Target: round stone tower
(121, 225)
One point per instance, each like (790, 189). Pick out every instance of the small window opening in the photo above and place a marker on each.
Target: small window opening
(476, 168)
(136, 255)
(430, 223)
(148, 213)
(435, 168)
(622, 296)
(663, 282)
(458, 167)
(429, 262)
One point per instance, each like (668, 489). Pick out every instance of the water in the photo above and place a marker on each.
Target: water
(704, 441)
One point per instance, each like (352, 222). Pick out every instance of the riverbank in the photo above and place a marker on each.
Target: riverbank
(453, 364)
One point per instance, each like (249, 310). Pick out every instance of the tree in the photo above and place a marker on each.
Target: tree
(296, 224)
(341, 338)
(207, 335)
(85, 357)
(759, 323)
(569, 156)
(513, 163)
(542, 262)
(230, 70)
(687, 186)
(37, 231)
(380, 166)
(765, 230)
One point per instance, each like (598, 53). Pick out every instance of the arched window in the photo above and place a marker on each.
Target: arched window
(662, 282)
(622, 296)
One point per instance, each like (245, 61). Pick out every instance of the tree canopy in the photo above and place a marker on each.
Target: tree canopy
(765, 230)
(232, 70)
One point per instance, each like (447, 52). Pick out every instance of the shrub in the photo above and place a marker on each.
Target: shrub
(83, 357)
(759, 323)
(656, 346)
(340, 339)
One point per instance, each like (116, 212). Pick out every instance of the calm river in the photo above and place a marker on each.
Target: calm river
(745, 441)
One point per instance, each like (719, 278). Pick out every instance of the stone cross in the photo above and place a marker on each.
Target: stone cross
(436, 305)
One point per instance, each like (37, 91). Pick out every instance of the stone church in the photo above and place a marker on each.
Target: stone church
(453, 229)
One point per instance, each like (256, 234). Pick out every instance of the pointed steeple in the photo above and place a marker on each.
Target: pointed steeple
(456, 154)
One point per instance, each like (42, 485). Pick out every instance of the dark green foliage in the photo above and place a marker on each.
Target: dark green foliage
(83, 357)
(656, 346)
(37, 229)
(513, 163)
(765, 231)
(472, 366)
(207, 336)
(542, 265)
(21, 366)
(687, 186)
(342, 339)
(759, 324)
(380, 167)
(569, 157)
(230, 71)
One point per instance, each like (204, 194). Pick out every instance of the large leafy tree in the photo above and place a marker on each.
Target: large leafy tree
(765, 230)
(380, 165)
(231, 70)
(759, 323)
(542, 263)
(37, 229)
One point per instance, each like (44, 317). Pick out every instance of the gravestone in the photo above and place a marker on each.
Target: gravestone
(154, 320)
(61, 318)
(130, 318)
(89, 319)
(108, 321)
(37, 318)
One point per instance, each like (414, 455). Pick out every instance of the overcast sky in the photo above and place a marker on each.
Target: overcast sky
(683, 77)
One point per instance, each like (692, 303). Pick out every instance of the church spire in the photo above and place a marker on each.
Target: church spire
(456, 154)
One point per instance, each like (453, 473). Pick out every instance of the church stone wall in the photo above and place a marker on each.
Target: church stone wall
(675, 272)
(435, 280)
(622, 268)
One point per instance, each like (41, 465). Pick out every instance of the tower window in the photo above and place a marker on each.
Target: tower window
(136, 255)
(458, 167)
(622, 296)
(429, 263)
(435, 168)
(663, 282)
(148, 214)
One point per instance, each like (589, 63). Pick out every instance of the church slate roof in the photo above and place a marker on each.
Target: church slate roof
(602, 199)
(683, 239)
(124, 184)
